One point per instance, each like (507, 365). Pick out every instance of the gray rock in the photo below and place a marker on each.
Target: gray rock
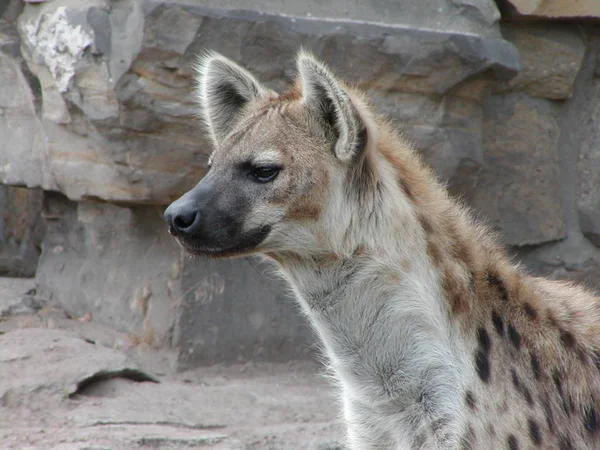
(64, 365)
(113, 263)
(476, 16)
(551, 55)
(21, 230)
(518, 188)
(236, 310)
(118, 118)
(445, 129)
(51, 40)
(557, 8)
(17, 296)
(22, 146)
(587, 117)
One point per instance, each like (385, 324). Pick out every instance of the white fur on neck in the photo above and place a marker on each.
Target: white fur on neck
(382, 309)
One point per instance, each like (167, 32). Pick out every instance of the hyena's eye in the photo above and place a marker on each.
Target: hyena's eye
(264, 174)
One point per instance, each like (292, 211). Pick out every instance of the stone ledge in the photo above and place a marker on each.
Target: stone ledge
(119, 124)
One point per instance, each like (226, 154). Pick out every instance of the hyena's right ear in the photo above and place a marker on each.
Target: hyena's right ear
(224, 89)
(325, 95)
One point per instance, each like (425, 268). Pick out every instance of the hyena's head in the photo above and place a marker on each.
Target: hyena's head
(280, 165)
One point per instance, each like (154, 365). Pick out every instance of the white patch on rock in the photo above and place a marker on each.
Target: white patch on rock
(57, 44)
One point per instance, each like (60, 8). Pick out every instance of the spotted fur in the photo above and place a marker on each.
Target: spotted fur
(435, 339)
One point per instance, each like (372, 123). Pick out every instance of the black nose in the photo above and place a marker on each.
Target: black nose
(182, 219)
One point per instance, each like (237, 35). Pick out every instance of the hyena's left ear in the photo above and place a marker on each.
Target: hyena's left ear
(224, 89)
(324, 94)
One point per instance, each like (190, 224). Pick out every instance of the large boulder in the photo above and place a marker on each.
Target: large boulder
(118, 121)
(557, 8)
(551, 55)
(517, 189)
(586, 133)
(21, 230)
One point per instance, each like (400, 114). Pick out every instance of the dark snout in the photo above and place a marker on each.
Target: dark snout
(187, 216)
(210, 218)
(183, 216)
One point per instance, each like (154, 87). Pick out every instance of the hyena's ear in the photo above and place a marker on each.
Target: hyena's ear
(224, 88)
(322, 93)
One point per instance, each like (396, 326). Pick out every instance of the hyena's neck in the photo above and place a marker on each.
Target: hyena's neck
(391, 315)
(387, 335)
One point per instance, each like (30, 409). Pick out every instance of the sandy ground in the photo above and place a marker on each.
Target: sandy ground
(72, 384)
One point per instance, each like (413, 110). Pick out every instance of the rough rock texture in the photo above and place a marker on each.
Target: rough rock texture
(17, 296)
(117, 119)
(578, 256)
(67, 388)
(517, 188)
(585, 121)
(81, 363)
(478, 16)
(113, 263)
(237, 310)
(557, 8)
(21, 230)
(551, 56)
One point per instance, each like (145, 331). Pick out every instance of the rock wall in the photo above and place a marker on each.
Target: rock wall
(99, 121)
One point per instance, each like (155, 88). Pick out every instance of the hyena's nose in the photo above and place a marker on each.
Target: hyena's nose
(182, 219)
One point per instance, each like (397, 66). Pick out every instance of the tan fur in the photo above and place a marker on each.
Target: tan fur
(435, 338)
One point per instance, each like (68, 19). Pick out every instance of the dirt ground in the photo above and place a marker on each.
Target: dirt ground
(68, 383)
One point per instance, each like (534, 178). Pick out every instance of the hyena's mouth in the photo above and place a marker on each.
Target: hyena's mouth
(243, 244)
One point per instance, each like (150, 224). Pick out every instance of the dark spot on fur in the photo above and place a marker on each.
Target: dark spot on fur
(468, 439)
(406, 189)
(566, 407)
(596, 358)
(482, 357)
(484, 340)
(470, 399)
(491, 429)
(527, 395)
(567, 339)
(425, 224)
(453, 290)
(512, 443)
(514, 336)
(494, 281)
(515, 379)
(462, 252)
(522, 389)
(435, 253)
(482, 364)
(557, 378)
(498, 323)
(535, 366)
(530, 311)
(565, 443)
(548, 413)
(581, 354)
(590, 420)
(572, 405)
(534, 432)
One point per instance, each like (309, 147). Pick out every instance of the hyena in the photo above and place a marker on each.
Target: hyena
(435, 338)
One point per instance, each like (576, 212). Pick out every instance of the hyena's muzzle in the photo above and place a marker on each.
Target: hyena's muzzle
(211, 218)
